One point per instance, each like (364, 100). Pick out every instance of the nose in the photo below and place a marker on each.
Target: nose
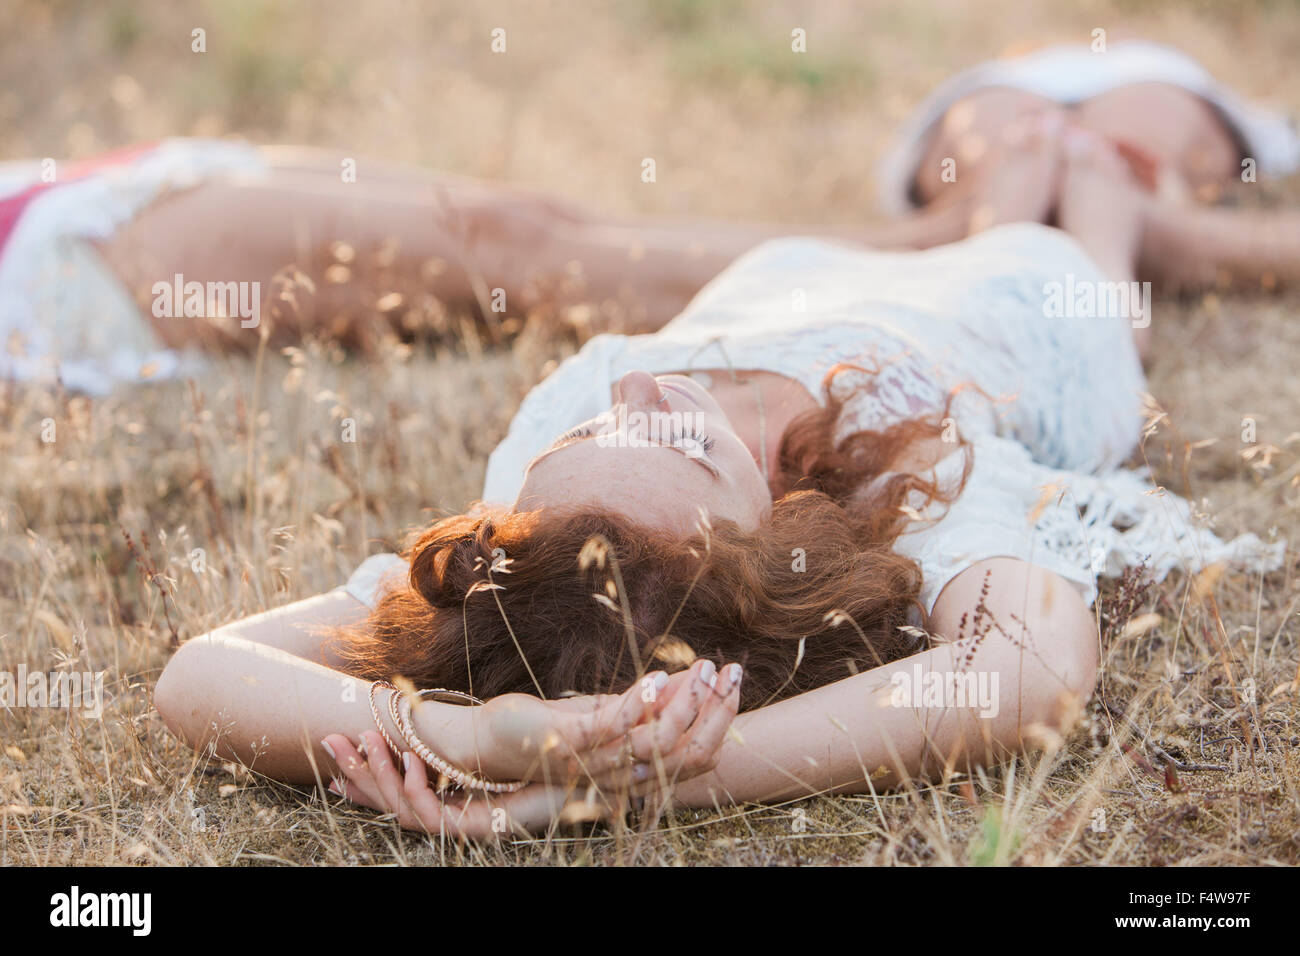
(640, 389)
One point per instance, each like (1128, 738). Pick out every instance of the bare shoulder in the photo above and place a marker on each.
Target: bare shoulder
(1030, 622)
(1017, 591)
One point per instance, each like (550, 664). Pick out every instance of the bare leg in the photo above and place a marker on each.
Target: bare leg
(1101, 206)
(463, 238)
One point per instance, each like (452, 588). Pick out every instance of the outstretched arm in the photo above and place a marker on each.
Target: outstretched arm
(1190, 246)
(1032, 652)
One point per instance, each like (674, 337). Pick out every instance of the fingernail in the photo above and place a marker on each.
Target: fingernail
(334, 787)
(735, 671)
(660, 680)
(641, 772)
(709, 674)
(406, 760)
(324, 745)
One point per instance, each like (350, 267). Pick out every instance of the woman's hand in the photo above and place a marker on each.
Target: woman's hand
(374, 781)
(661, 731)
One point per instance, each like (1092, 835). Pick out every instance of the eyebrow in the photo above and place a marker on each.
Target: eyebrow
(713, 472)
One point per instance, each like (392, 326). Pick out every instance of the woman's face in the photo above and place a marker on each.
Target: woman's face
(662, 452)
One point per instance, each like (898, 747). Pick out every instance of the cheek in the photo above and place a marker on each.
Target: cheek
(757, 500)
(750, 486)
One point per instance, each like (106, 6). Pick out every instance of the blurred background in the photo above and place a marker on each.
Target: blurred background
(738, 124)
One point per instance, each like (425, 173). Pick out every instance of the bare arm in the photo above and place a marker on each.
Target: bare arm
(262, 691)
(1041, 655)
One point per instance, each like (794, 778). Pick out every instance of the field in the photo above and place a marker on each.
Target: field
(158, 513)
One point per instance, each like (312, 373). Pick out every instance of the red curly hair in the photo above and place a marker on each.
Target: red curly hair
(587, 602)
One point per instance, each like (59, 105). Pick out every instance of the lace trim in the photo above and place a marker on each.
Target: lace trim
(1075, 525)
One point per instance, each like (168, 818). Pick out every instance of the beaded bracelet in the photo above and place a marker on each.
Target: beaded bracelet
(399, 711)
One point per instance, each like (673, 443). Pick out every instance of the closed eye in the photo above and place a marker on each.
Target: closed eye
(677, 442)
(582, 431)
(691, 440)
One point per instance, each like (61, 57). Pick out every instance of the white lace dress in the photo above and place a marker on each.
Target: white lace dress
(1050, 406)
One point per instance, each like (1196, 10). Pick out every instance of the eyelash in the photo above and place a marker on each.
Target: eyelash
(582, 431)
(703, 440)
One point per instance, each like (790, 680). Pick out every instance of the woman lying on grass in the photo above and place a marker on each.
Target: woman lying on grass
(1187, 138)
(833, 528)
(82, 250)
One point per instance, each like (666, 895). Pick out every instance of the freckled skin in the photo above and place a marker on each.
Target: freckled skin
(655, 485)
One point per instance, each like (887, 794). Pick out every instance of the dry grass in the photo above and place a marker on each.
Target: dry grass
(246, 464)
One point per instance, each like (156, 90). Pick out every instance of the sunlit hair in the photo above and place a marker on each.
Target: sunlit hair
(587, 602)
